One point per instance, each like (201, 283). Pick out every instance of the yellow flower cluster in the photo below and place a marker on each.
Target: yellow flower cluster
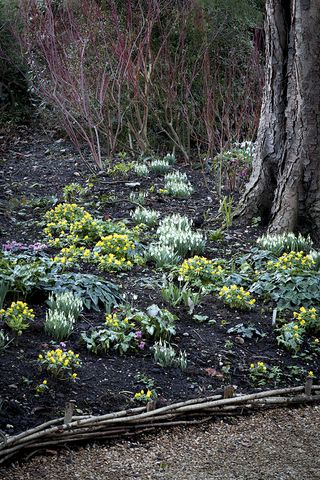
(18, 309)
(260, 367)
(308, 318)
(296, 261)
(83, 238)
(143, 396)
(60, 219)
(113, 252)
(200, 268)
(42, 387)
(84, 230)
(17, 316)
(303, 312)
(114, 322)
(115, 243)
(72, 254)
(236, 297)
(112, 263)
(60, 363)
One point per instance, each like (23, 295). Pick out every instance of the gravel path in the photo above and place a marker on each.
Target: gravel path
(281, 445)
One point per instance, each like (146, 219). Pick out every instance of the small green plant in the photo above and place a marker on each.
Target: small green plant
(127, 328)
(4, 341)
(233, 165)
(163, 256)
(216, 235)
(236, 297)
(256, 221)
(120, 336)
(228, 345)
(285, 242)
(159, 166)
(138, 197)
(145, 216)
(17, 317)
(141, 170)
(246, 331)
(59, 324)
(148, 392)
(170, 158)
(157, 323)
(42, 387)
(122, 155)
(165, 356)
(203, 319)
(172, 294)
(226, 211)
(260, 374)
(60, 363)
(175, 295)
(121, 168)
(145, 380)
(291, 335)
(93, 290)
(73, 192)
(297, 372)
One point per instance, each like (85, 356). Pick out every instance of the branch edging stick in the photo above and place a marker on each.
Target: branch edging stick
(127, 422)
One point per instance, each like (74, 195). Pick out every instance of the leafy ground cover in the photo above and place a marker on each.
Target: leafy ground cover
(128, 286)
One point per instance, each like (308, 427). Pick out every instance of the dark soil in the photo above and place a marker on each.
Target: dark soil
(33, 170)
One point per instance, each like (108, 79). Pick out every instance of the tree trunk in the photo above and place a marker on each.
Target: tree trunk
(285, 184)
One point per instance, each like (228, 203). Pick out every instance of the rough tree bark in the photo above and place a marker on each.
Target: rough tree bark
(285, 184)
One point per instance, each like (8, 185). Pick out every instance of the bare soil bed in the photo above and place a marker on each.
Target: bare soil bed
(33, 170)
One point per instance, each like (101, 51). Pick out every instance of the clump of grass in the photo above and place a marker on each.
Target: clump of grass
(59, 325)
(165, 355)
(138, 197)
(175, 231)
(159, 166)
(177, 185)
(66, 302)
(162, 256)
(170, 158)
(62, 315)
(141, 170)
(285, 242)
(146, 216)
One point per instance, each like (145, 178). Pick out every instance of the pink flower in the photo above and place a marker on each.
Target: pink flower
(141, 345)
(139, 334)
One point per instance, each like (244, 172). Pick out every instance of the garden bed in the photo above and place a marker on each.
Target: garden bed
(34, 170)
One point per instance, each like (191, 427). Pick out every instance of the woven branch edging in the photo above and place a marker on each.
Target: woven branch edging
(76, 428)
